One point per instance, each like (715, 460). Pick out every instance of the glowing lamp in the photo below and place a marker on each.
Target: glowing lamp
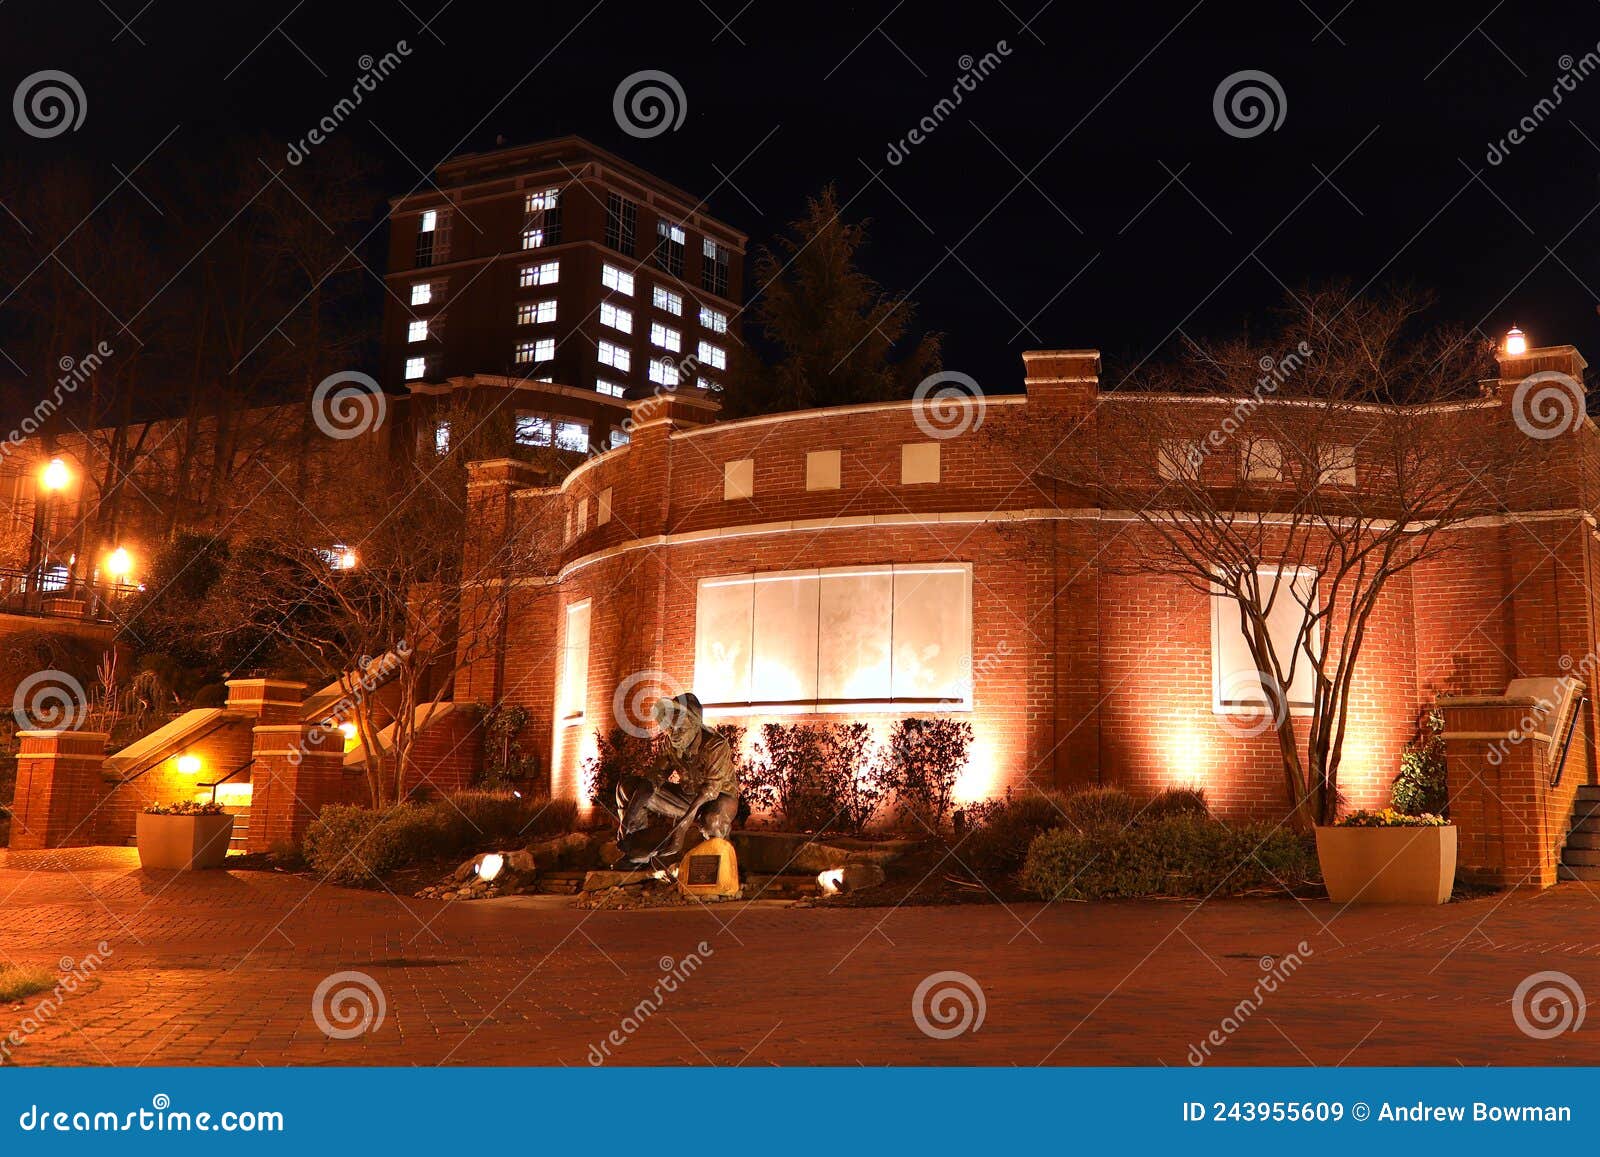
(189, 764)
(489, 867)
(119, 563)
(831, 881)
(351, 737)
(1516, 342)
(55, 475)
(344, 558)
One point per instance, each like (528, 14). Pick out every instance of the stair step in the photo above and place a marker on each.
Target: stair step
(1566, 872)
(1589, 791)
(1585, 810)
(1586, 827)
(1584, 840)
(1581, 857)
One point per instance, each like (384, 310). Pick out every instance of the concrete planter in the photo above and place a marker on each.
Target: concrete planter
(183, 842)
(1388, 865)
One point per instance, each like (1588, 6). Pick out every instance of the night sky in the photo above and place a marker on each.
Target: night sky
(1083, 194)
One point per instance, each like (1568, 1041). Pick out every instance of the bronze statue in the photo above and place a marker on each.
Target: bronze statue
(705, 793)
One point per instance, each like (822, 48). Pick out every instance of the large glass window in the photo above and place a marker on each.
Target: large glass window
(622, 218)
(575, 664)
(836, 639)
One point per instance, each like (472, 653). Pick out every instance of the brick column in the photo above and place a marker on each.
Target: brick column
(269, 700)
(59, 786)
(298, 769)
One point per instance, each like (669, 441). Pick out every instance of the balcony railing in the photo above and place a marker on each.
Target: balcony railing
(55, 594)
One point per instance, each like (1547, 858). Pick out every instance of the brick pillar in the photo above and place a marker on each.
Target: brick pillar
(59, 787)
(298, 769)
(269, 700)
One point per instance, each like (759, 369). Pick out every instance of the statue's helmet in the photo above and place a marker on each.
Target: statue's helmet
(686, 707)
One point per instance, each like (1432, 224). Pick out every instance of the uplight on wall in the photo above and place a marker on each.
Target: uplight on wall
(1516, 342)
(189, 764)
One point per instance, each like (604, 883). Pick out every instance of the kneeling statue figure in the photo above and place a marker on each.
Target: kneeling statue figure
(704, 794)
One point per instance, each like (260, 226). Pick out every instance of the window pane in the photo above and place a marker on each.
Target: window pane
(853, 640)
(932, 633)
(724, 615)
(575, 671)
(784, 653)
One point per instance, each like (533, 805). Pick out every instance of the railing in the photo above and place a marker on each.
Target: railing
(1566, 740)
(218, 783)
(54, 593)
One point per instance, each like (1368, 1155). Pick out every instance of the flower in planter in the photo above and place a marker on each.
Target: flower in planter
(1389, 818)
(185, 807)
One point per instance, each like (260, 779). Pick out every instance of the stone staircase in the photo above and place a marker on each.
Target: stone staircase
(1580, 859)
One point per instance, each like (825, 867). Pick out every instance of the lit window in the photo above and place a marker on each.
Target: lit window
(422, 293)
(572, 436)
(417, 331)
(708, 385)
(667, 300)
(663, 372)
(532, 238)
(575, 664)
(616, 318)
(416, 368)
(533, 430)
(610, 389)
(441, 436)
(536, 351)
(1290, 599)
(619, 437)
(547, 274)
(433, 243)
(714, 267)
(543, 223)
(835, 639)
(714, 356)
(1178, 460)
(615, 356)
(1262, 460)
(666, 337)
(524, 351)
(429, 222)
(536, 313)
(613, 278)
(713, 319)
(1336, 465)
(670, 240)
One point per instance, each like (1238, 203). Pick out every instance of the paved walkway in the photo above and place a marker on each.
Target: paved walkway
(222, 967)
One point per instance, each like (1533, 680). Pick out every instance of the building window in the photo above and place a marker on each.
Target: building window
(837, 639)
(416, 368)
(536, 351)
(572, 436)
(431, 242)
(822, 470)
(616, 318)
(663, 372)
(619, 279)
(622, 219)
(1262, 460)
(615, 356)
(575, 664)
(583, 514)
(619, 437)
(667, 300)
(602, 514)
(536, 312)
(670, 240)
(533, 430)
(739, 479)
(1179, 460)
(919, 463)
(1290, 596)
(1336, 465)
(708, 385)
(714, 356)
(714, 267)
(610, 389)
(422, 293)
(542, 222)
(666, 337)
(713, 319)
(417, 331)
(441, 436)
(547, 274)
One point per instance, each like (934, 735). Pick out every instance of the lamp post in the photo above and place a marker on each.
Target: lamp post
(53, 477)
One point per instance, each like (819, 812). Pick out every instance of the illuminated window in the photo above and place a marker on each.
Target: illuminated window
(713, 319)
(619, 437)
(429, 222)
(542, 224)
(536, 351)
(714, 356)
(663, 372)
(441, 436)
(1178, 459)
(1289, 597)
(836, 639)
(417, 331)
(616, 318)
(547, 274)
(422, 293)
(667, 300)
(534, 430)
(1336, 465)
(416, 368)
(622, 219)
(666, 337)
(610, 389)
(536, 312)
(670, 240)
(613, 278)
(433, 244)
(532, 238)
(575, 664)
(708, 385)
(1262, 460)
(572, 436)
(714, 267)
(615, 356)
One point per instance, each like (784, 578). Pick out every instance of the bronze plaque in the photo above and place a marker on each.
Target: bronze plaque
(704, 869)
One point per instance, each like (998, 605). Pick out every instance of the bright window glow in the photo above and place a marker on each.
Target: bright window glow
(536, 312)
(417, 331)
(663, 372)
(416, 368)
(835, 639)
(1235, 679)
(547, 274)
(536, 351)
(575, 665)
(714, 356)
(713, 319)
(616, 318)
(667, 300)
(422, 293)
(572, 436)
(533, 430)
(613, 278)
(707, 384)
(619, 437)
(539, 202)
(610, 389)
(615, 356)
(441, 436)
(429, 222)
(532, 238)
(666, 337)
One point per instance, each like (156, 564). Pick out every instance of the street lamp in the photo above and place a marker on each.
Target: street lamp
(53, 477)
(1516, 342)
(119, 564)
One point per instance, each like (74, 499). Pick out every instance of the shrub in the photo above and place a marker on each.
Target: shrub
(1181, 855)
(925, 758)
(1090, 808)
(503, 815)
(20, 980)
(1420, 787)
(1003, 829)
(1177, 801)
(617, 754)
(504, 760)
(818, 776)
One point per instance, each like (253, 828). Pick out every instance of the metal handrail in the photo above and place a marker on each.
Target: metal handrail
(1566, 741)
(218, 783)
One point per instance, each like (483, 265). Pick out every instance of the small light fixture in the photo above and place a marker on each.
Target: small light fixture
(489, 866)
(119, 563)
(352, 737)
(347, 559)
(831, 881)
(1516, 342)
(189, 764)
(56, 475)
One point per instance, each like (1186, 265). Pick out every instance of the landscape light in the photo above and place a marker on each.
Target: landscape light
(489, 867)
(189, 764)
(1516, 342)
(56, 475)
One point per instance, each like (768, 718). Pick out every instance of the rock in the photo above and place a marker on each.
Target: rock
(467, 870)
(859, 876)
(594, 881)
(520, 863)
(782, 852)
(573, 850)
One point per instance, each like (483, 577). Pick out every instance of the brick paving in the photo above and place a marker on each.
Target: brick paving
(220, 968)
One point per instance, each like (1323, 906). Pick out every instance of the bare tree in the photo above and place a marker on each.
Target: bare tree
(1295, 476)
